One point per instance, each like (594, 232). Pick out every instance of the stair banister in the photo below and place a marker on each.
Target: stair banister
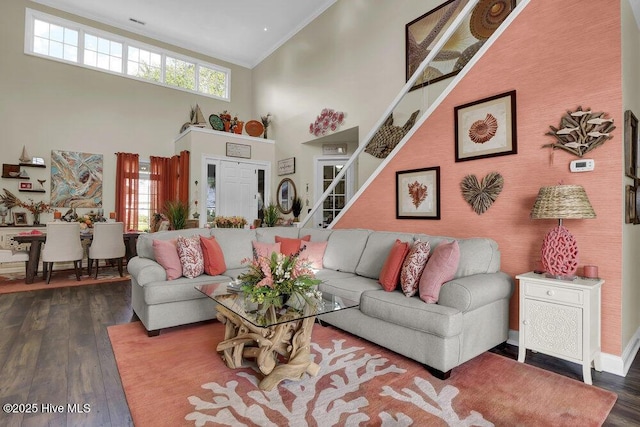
(405, 89)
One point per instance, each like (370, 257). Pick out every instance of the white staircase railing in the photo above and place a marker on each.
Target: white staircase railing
(459, 19)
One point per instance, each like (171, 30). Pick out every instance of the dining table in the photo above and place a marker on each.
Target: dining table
(36, 241)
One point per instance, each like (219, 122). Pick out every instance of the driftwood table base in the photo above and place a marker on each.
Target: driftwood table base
(281, 351)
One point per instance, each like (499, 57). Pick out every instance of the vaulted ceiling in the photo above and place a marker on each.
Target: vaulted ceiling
(242, 32)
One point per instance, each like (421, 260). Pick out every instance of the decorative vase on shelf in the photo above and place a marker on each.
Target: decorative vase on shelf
(36, 218)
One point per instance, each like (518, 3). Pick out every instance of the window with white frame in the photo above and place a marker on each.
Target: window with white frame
(51, 37)
(144, 196)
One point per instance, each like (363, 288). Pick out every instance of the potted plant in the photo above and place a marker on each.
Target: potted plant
(296, 208)
(177, 212)
(271, 215)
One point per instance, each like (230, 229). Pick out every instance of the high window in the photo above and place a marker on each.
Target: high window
(50, 37)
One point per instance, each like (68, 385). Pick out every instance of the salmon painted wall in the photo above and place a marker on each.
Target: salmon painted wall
(557, 56)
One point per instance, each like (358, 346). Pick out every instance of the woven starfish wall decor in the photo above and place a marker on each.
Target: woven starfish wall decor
(581, 131)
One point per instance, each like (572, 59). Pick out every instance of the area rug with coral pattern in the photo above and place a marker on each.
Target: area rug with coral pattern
(178, 379)
(14, 282)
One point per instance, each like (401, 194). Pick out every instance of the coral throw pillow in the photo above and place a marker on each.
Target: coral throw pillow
(413, 266)
(313, 252)
(190, 256)
(264, 249)
(166, 254)
(291, 246)
(390, 274)
(212, 256)
(440, 268)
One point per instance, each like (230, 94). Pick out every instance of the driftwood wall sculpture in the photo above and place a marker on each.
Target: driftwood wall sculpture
(581, 131)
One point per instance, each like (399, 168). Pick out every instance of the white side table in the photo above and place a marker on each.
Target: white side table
(561, 318)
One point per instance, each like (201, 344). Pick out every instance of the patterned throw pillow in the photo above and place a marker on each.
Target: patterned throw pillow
(190, 256)
(413, 266)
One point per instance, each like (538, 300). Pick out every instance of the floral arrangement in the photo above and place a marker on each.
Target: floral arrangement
(266, 121)
(36, 208)
(85, 222)
(327, 120)
(271, 281)
(229, 222)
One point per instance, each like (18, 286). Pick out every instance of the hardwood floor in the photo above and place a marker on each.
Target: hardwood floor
(54, 349)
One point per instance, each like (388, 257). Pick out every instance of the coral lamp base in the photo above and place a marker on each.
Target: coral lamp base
(560, 254)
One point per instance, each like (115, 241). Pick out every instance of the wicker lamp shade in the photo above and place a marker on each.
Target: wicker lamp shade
(562, 202)
(560, 249)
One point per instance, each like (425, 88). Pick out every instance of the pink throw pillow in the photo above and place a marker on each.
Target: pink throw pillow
(190, 256)
(440, 268)
(213, 256)
(166, 254)
(390, 274)
(413, 266)
(265, 249)
(290, 246)
(313, 252)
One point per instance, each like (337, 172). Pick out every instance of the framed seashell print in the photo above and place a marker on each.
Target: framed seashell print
(486, 128)
(418, 193)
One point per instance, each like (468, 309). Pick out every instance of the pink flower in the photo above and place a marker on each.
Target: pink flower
(267, 281)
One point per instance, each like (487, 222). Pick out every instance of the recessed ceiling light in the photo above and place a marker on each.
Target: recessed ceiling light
(137, 21)
(266, 29)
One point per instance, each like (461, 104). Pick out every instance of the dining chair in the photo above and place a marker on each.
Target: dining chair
(62, 245)
(107, 244)
(12, 255)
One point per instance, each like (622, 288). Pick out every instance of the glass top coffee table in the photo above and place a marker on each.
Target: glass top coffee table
(277, 339)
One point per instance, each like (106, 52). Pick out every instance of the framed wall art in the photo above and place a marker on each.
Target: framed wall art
(418, 193)
(287, 166)
(486, 128)
(238, 150)
(630, 144)
(424, 32)
(19, 218)
(76, 179)
(630, 215)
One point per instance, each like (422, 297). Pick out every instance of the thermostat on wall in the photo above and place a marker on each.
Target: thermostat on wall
(583, 165)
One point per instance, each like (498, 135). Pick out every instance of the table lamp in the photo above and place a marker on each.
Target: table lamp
(559, 248)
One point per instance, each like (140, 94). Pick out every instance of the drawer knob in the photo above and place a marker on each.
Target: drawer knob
(550, 293)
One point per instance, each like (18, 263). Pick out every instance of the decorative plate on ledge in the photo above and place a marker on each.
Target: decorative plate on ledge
(254, 128)
(216, 122)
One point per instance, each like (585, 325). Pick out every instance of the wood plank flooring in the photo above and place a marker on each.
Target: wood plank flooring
(54, 349)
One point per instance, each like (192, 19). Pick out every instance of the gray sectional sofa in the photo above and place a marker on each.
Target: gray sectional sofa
(471, 316)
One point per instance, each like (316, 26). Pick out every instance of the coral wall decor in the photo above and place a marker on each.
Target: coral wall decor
(328, 120)
(481, 195)
(581, 131)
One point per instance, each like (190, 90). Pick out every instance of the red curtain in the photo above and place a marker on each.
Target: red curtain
(127, 171)
(169, 180)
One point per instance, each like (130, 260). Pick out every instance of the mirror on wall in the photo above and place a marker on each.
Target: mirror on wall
(286, 193)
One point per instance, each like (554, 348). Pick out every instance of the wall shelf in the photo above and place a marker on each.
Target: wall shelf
(15, 177)
(32, 165)
(32, 191)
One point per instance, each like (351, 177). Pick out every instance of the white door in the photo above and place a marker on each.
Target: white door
(326, 170)
(240, 189)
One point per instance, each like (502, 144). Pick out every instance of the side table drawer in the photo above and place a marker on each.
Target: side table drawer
(554, 293)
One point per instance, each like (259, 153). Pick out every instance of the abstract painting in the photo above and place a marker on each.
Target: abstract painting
(76, 179)
(486, 128)
(418, 193)
(424, 32)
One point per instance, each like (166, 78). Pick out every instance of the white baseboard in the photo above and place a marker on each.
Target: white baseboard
(617, 365)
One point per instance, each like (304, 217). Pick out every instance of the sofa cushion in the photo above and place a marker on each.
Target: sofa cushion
(144, 246)
(477, 254)
(413, 266)
(344, 249)
(268, 234)
(349, 287)
(166, 254)
(190, 256)
(236, 244)
(313, 252)
(182, 289)
(377, 250)
(440, 268)
(213, 256)
(317, 234)
(291, 246)
(396, 308)
(390, 273)
(327, 274)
